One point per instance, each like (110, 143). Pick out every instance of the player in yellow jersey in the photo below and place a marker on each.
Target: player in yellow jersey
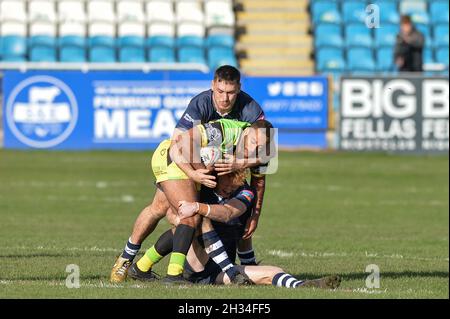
(177, 170)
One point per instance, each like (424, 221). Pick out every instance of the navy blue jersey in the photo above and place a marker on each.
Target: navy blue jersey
(229, 233)
(201, 110)
(246, 194)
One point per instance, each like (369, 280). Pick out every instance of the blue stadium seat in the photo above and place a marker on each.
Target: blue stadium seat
(13, 47)
(218, 56)
(442, 56)
(388, 12)
(358, 35)
(330, 60)
(441, 33)
(220, 40)
(191, 41)
(42, 40)
(162, 54)
(385, 59)
(13, 58)
(131, 49)
(354, 11)
(360, 60)
(131, 41)
(72, 40)
(130, 54)
(328, 35)
(386, 35)
(419, 17)
(428, 55)
(318, 7)
(325, 12)
(72, 48)
(191, 55)
(102, 41)
(102, 54)
(439, 12)
(161, 41)
(43, 53)
(42, 48)
(72, 54)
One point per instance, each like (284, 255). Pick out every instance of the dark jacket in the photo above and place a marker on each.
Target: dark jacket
(411, 52)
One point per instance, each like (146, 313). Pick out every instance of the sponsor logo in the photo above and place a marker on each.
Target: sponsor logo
(212, 133)
(41, 111)
(394, 114)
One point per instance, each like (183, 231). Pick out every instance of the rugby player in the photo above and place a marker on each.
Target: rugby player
(228, 206)
(175, 173)
(224, 100)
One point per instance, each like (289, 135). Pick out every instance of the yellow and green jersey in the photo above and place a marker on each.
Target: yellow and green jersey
(223, 133)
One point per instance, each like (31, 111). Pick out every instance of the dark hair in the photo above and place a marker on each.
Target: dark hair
(262, 124)
(405, 19)
(227, 73)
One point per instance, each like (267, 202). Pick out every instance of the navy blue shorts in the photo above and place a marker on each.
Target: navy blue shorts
(229, 235)
(205, 277)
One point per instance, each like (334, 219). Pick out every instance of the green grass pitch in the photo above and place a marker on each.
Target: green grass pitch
(324, 213)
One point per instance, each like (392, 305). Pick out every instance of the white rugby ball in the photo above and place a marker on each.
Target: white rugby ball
(210, 155)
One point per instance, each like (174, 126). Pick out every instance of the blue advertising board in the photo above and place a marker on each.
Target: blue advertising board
(292, 103)
(136, 110)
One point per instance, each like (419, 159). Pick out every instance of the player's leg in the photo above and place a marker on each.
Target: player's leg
(176, 191)
(160, 170)
(145, 224)
(148, 219)
(217, 252)
(141, 270)
(259, 275)
(272, 275)
(245, 252)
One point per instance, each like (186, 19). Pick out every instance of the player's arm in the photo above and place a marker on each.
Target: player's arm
(220, 213)
(185, 152)
(235, 207)
(258, 182)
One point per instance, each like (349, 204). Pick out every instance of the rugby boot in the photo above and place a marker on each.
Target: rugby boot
(137, 274)
(120, 270)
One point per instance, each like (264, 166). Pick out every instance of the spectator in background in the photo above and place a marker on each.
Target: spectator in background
(408, 47)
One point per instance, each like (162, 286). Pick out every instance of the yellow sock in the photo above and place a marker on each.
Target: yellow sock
(176, 264)
(150, 258)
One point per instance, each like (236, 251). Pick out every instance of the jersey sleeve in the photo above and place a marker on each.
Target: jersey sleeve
(252, 112)
(246, 196)
(192, 115)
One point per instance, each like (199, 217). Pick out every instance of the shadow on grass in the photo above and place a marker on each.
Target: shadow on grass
(389, 274)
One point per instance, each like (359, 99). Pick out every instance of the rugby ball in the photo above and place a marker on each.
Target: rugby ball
(210, 155)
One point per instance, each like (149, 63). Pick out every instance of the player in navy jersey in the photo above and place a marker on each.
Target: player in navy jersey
(224, 100)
